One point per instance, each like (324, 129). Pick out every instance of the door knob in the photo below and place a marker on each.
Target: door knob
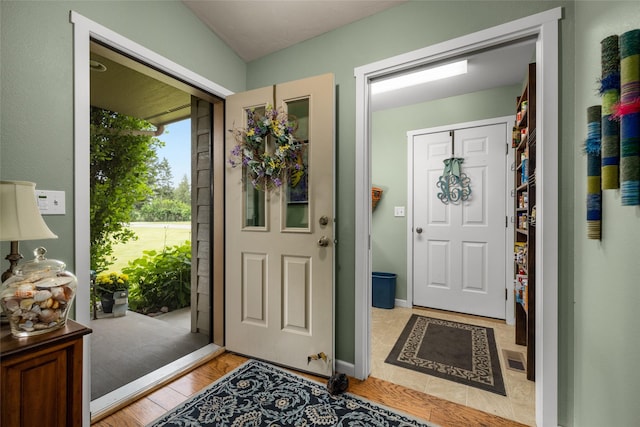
(323, 242)
(419, 230)
(324, 220)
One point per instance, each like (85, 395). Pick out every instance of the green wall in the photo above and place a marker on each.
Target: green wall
(606, 293)
(36, 86)
(398, 30)
(389, 164)
(598, 385)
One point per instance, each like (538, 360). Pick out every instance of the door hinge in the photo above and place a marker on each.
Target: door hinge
(506, 153)
(506, 221)
(506, 294)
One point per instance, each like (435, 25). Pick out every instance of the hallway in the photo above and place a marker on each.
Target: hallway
(518, 405)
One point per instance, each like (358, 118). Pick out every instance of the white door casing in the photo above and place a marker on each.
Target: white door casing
(279, 279)
(459, 254)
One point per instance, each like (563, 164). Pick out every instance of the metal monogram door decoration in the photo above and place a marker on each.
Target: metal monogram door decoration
(455, 185)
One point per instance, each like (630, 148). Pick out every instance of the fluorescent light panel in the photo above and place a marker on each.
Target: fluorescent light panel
(419, 77)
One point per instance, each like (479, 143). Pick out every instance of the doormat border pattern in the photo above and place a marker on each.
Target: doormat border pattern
(485, 373)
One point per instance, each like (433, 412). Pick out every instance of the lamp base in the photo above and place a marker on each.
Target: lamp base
(14, 257)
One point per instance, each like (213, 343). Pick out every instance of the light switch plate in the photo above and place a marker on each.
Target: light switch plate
(50, 202)
(398, 211)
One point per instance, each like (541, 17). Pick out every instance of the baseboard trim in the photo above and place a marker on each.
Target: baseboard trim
(402, 303)
(345, 368)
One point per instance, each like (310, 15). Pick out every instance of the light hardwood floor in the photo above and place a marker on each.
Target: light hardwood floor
(418, 404)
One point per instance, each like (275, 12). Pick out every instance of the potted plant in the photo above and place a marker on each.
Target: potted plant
(108, 284)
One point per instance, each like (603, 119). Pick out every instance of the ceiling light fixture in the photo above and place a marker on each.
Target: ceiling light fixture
(419, 77)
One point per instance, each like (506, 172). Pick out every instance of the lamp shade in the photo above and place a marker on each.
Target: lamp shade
(20, 217)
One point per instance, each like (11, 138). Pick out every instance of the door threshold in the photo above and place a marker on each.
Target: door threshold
(111, 402)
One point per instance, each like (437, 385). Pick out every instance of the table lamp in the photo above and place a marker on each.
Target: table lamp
(20, 219)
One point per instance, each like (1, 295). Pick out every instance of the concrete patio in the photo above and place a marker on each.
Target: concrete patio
(128, 347)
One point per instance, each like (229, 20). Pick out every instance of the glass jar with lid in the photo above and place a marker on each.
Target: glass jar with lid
(38, 297)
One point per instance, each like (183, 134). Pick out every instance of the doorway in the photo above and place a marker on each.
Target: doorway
(211, 191)
(458, 254)
(146, 239)
(543, 26)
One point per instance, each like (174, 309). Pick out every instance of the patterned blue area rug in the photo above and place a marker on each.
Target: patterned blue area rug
(259, 394)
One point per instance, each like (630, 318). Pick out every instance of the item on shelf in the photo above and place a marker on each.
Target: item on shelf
(532, 218)
(521, 284)
(524, 106)
(520, 256)
(515, 137)
(522, 221)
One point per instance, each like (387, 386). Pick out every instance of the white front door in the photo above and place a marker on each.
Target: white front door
(279, 243)
(459, 256)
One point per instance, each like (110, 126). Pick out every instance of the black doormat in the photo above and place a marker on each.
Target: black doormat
(455, 351)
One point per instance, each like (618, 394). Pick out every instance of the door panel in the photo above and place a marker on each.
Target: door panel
(279, 279)
(459, 257)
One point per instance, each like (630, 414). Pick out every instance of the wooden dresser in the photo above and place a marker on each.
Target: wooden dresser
(42, 377)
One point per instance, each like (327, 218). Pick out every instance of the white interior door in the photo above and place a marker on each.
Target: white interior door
(279, 244)
(459, 254)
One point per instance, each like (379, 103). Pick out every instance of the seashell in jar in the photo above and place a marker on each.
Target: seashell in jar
(47, 282)
(27, 326)
(46, 304)
(51, 282)
(58, 293)
(29, 315)
(25, 291)
(55, 305)
(8, 292)
(26, 303)
(12, 304)
(42, 296)
(63, 280)
(49, 315)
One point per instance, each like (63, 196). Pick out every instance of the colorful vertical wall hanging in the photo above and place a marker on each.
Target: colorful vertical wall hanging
(594, 191)
(629, 112)
(610, 92)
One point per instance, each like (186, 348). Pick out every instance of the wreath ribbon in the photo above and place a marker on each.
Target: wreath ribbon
(452, 166)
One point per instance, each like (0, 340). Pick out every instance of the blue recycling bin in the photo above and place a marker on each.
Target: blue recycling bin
(384, 289)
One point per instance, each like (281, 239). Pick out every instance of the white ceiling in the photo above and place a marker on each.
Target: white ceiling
(255, 28)
(501, 66)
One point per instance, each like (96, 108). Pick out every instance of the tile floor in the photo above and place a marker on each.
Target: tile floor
(518, 405)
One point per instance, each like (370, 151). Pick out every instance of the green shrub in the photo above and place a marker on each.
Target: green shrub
(161, 279)
(163, 210)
